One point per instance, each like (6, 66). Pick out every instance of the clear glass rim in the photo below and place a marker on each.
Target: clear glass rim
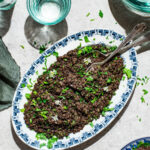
(8, 6)
(141, 8)
(48, 23)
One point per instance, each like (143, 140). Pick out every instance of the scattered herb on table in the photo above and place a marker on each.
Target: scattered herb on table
(22, 46)
(142, 99)
(88, 14)
(86, 39)
(92, 19)
(101, 14)
(145, 91)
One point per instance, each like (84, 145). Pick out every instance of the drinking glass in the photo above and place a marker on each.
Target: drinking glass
(48, 24)
(6, 4)
(48, 12)
(141, 7)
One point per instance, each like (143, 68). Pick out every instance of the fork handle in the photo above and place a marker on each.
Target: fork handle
(137, 42)
(139, 28)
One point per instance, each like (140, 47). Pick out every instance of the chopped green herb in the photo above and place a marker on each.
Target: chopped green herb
(51, 142)
(78, 47)
(91, 124)
(88, 14)
(109, 80)
(23, 85)
(145, 91)
(92, 19)
(142, 99)
(140, 119)
(30, 120)
(35, 92)
(106, 73)
(107, 38)
(94, 39)
(94, 100)
(41, 136)
(86, 39)
(65, 107)
(55, 54)
(34, 102)
(80, 40)
(61, 97)
(65, 90)
(128, 72)
(45, 82)
(22, 110)
(101, 14)
(123, 78)
(42, 145)
(65, 59)
(29, 86)
(90, 78)
(22, 46)
(42, 49)
(28, 96)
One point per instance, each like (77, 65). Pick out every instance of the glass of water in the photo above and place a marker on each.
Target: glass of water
(6, 4)
(141, 7)
(48, 12)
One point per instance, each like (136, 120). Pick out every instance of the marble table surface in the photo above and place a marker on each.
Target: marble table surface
(127, 126)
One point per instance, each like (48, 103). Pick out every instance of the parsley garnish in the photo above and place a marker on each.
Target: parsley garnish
(23, 85)
(145, 91)
(88, 14)
(142, 99)
(28, 96)
(86, 39)
(92, 19)
(22, 46)
(22, 110)
(100, 14)
(128, 72)
(55, 54)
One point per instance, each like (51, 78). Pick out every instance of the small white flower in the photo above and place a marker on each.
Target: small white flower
(52, 73)
(87, 61)
(105, 88)
(57, 102)
(55, 118)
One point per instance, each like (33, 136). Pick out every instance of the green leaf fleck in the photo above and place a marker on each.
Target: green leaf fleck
(92, 19)
(101, 14)
(86, 39)
(91, 124)
(22, 46)
(142, 99)
(128, 72)
(42, 145)
(41, 136)
(55, 54)
(88, 14)
(145, 91)
(28, 96)
(23, 85)
(22, 110)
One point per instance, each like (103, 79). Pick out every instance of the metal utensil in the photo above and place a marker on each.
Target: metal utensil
(138, 29)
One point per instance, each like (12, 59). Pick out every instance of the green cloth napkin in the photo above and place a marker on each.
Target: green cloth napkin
(9, 76)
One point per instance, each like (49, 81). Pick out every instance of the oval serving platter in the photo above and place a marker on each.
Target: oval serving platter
(135, 143)
(62, 47)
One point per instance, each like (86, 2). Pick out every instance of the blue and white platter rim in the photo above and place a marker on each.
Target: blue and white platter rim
(99, 125)
(135, 143)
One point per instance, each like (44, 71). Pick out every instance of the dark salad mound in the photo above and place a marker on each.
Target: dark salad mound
(65, 97)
